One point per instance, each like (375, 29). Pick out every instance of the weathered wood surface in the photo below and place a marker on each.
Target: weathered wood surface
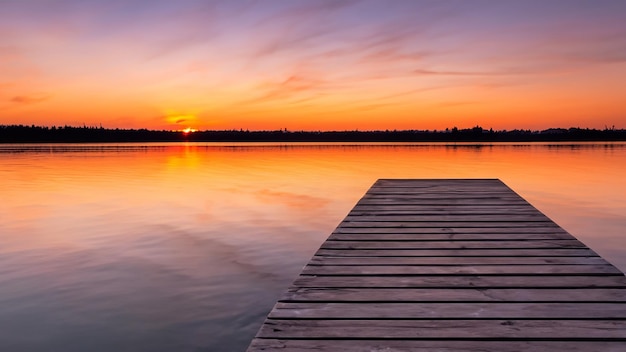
(486, 244)
(420, 270)
(449, 310)
(448, 230)
(448, 236)
(473, 261)
(460, 252)
(517, 294)
(410, 329)
(454, 266)
(462, 281)
(438, 345)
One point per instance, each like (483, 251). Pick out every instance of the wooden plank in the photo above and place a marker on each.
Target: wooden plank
(449, 310)
(443, 207)
(303, 294)
(496, 211)
(445, 195)
(435, 182)
(456, 224)
(440, 202)
(440, 210)
(475, 261)
(435, 185)
(450, 192)
(445, 229)
(385, 270)
(449, 237)
(475, 282)
(459, 244)
(442, 188)
(448, 345)
(419, 207)
(458, 188)
(445, 329)
(494, 252)
(447, 218)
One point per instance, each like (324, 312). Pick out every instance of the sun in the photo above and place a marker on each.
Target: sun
(188, 130)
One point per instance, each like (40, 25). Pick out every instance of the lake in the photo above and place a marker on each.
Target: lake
(186, 247)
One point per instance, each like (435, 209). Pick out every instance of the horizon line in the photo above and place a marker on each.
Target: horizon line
(189, 130)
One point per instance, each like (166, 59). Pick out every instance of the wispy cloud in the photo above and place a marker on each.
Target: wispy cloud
(297, 86)
(29, 99)
(462, 73)
(298, 27)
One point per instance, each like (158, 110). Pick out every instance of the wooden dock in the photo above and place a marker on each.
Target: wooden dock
(454, 266)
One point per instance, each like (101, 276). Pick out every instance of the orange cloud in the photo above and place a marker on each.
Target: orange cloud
(29, 99)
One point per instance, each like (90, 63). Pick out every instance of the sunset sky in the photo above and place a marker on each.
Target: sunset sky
(313, 65)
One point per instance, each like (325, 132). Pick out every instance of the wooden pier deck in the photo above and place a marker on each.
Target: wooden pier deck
(454, 266)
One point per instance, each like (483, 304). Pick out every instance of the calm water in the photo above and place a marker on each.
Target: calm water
(187, 247)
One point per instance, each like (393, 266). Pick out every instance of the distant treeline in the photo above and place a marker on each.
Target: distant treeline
(69, 134)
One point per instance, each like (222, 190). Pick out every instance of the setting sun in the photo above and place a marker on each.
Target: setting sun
(188, 130)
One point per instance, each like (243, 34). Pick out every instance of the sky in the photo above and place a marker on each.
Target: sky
(313, 64)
